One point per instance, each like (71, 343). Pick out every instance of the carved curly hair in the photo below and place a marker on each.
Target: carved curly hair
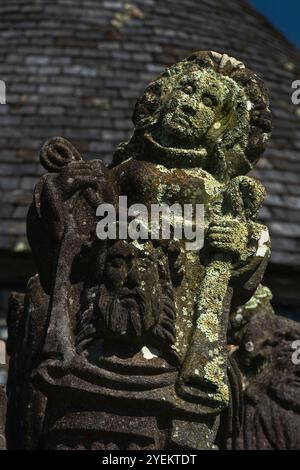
(253, 122)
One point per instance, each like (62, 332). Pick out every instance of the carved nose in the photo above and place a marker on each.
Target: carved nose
(132, 279)
(188, 110)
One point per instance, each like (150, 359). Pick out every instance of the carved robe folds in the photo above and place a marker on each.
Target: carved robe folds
(122, 344)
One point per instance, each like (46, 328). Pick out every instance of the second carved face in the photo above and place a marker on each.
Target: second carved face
(127, 309)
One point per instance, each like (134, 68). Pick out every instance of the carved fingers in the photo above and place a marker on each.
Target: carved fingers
(78, 176)
(230, 236)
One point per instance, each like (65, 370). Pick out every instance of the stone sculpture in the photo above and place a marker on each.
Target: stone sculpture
(122, 344)
(266, 348)
(271, 376)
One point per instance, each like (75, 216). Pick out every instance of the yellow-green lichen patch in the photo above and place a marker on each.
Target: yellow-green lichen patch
(214, 374)
(262, 293)
(209, 324)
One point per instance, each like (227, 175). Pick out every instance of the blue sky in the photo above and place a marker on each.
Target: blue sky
(284, 14)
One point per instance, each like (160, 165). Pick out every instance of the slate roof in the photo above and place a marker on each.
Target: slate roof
(75, 68)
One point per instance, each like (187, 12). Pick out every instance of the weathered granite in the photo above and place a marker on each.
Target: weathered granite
(271, 398)
(123, 343)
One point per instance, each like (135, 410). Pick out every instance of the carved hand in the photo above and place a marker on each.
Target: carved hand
(60, 188)
(76, 177)
(228, 235)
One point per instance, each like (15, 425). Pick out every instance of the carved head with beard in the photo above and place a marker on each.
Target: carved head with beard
(133, 302)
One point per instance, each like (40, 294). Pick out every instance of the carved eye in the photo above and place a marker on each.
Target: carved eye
(188, 89)
(144, 262)
(187, 86)
(117, 262)
(209, 100)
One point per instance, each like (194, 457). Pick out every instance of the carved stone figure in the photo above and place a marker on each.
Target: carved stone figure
(123, 343)
(271, 370)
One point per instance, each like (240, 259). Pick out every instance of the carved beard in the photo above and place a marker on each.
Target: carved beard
(126, 313)
(105, 313)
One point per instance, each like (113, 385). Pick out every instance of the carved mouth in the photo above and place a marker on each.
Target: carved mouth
(131, 299)
(130, 293)
(182, 119)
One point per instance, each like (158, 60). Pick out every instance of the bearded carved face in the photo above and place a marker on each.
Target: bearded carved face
(126, 309)
(134, 302)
